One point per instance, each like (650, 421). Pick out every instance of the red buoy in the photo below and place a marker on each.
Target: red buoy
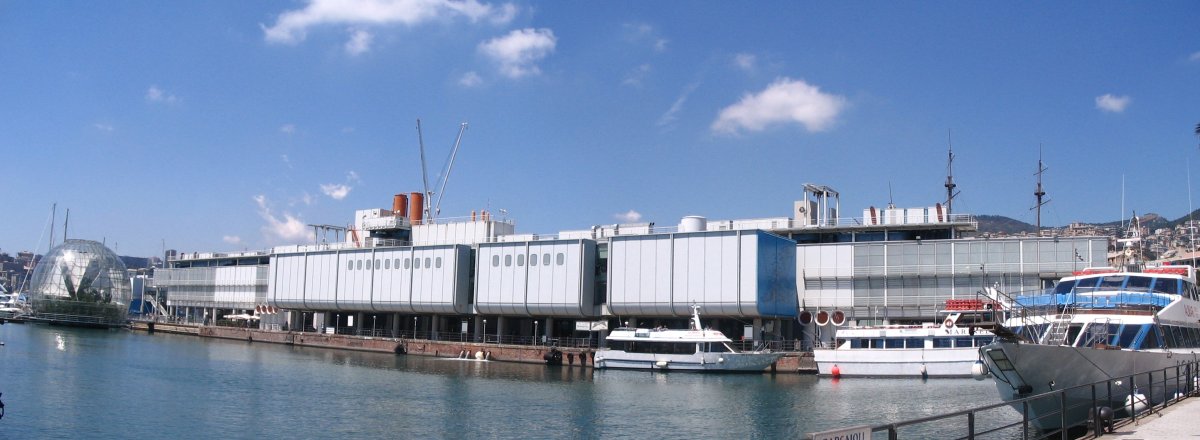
(836, 372)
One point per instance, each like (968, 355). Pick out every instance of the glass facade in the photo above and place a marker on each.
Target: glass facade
(912, 279)
(81, 281)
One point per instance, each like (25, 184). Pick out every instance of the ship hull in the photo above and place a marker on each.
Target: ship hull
(706, 362)
(1037, 369)
(902, 362)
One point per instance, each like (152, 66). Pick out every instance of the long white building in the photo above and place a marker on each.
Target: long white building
(397, 274)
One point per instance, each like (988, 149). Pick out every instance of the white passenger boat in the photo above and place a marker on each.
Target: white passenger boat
(694, 349)
(934, 349)
(1098, 324)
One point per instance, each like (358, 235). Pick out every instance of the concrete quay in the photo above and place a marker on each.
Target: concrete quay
(1173, 422)
(792, 363)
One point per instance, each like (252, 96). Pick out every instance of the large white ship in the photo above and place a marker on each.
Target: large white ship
(1098, 324)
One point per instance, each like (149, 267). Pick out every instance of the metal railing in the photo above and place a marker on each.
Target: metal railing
(1166, 387)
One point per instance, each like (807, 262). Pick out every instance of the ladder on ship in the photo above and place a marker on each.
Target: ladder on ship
(1056, 334)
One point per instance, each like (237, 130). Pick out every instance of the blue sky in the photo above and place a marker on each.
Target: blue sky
(222, 126)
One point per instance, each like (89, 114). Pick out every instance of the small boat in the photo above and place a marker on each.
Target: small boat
(11, 305)
(1097, 324)
(693, 349)
(931, 349)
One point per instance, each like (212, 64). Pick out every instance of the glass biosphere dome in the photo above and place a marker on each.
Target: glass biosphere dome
(83, 282)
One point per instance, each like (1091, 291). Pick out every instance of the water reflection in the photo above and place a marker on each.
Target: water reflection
(187, 387)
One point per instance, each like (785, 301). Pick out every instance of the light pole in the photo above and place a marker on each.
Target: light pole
(414, 327)
(484, 330)
(535, 332)
(372, 325)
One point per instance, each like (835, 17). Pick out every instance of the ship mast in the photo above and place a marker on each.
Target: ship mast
(1039, 193)
(950, 192)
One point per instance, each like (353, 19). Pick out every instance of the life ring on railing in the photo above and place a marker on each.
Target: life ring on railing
(838, 318)
(948, 323)
(822, 318)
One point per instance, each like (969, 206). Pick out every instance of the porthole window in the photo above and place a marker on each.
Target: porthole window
(495, 261)
(437, 262)
(521, 260)
(507, 260)
(350, 265)
(533, 259)
(376, 264)
(407, 263)
(359, 265)
(387, 264)
(427, 263)
(546, 259)
(416, 263)
(560, 259)
(396, 264)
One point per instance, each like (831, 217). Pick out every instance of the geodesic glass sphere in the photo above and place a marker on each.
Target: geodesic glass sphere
(81, 281)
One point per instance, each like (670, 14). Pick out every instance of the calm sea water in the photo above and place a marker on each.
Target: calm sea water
(79, 383)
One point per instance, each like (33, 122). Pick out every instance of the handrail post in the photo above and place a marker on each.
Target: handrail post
(1132, 401)
(1024, 420)
(971, 425)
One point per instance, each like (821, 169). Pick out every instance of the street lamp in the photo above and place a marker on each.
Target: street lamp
(414, 327)
(373, 325)
(484, 330)
(535, 332)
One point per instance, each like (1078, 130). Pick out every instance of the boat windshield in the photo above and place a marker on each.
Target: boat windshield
(1112, 282)
(1139, 284)
(1064, 287)
(1166, 285)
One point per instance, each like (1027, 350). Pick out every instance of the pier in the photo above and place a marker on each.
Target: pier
(582, 356)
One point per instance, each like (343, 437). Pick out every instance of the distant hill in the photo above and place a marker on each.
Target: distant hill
(998, 224)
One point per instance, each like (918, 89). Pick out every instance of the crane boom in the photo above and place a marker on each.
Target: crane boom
(446, 177)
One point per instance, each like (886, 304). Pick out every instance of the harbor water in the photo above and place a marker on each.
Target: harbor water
(65, 382)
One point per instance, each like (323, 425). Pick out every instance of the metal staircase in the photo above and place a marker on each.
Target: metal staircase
(1056, 334)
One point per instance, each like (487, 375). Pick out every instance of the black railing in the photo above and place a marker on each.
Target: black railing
(1166, 387)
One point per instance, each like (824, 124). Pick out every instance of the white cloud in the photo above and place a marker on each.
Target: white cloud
(336, 191)
(745, 61)
(628, 217)
(645, 34)
(518, 52)
(292, 26)
(784, 101)
(287, 229)
(1115, 104)
(669, 117)
(1195, 57)
(308, 199)
(287, 128)
(339, 191)
(155, 94)
(634, 78)
(103, 127)
(232, 239)
(470, 79)
(359, 43)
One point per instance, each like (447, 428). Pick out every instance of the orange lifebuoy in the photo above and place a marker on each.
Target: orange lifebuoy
(949, 322)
